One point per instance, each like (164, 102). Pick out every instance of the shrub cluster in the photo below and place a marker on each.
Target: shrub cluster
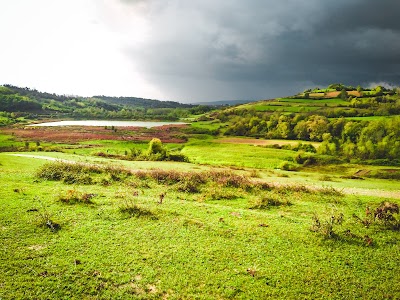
(385, 215)
(79, 173)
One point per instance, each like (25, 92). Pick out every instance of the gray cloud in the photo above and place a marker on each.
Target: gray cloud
(231, 49)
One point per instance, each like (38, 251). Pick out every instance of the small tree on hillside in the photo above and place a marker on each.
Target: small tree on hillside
(343, 94)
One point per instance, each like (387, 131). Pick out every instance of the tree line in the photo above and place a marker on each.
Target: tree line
(376, 139)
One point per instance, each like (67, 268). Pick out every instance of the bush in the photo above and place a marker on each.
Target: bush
(270, 200)
(230, 179)
(79, 173)
(218, 193)
(304, 147)
(73, 196)
(176, 156)
(156, 149)
(287, 166)
(385, 174)
(77, 178)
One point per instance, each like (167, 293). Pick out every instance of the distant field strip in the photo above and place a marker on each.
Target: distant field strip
(284, 108)
(258, 142)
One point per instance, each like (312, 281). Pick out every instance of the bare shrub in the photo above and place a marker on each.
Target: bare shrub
(73, 196)
(326, 227)
(230, 179)
(217, 193)
(385, 215)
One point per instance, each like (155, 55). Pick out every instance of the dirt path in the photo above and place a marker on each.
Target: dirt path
(348, 191)
(43, 157)
(370, 192)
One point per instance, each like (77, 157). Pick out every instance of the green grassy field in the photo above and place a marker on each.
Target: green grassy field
(230, 224)
(238, 155)
(294, 105)
(283, 108)
(371, 118)
(315, 102)
(217, 243)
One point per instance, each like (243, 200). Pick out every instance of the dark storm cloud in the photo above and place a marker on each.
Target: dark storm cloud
(259, 49)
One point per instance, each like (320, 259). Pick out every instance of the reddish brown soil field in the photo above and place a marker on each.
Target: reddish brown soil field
(74, 134)
(336, 94)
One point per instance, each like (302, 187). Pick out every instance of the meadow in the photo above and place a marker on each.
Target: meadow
(290, 198)
(229, 224)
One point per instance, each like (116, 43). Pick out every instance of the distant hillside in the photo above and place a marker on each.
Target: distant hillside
(224, 102)
(336, 100)
(126, 101)
(26, 101)
(142, 102)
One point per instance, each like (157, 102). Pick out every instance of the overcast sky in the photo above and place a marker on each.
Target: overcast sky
(197, 50)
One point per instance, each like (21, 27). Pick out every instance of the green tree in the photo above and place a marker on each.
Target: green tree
(317, 126)
(156, 148)
(343, 94)
(300, 130)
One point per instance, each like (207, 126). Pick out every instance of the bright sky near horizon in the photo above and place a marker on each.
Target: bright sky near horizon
(197, 50)
(71, 47)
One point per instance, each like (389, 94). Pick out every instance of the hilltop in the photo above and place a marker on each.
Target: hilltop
(335, 101)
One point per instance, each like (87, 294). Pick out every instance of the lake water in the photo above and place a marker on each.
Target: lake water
(108, 123)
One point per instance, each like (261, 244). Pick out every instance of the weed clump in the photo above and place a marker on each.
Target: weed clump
(255, 174)
(288, 166)
(76, 178)
(217, 193)
(230, 179)
(270, 200)
(45, 218)
(326, 227)
(330, 191)
(133, 209)
(325, 178)
(385, 215)
(190, 184)
(73, 196)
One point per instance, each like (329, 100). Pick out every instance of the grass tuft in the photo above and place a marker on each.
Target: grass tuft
(133, 209)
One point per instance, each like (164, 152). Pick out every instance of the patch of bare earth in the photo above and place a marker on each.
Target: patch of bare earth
(370, 192)
(336, 94)
(36, 247)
